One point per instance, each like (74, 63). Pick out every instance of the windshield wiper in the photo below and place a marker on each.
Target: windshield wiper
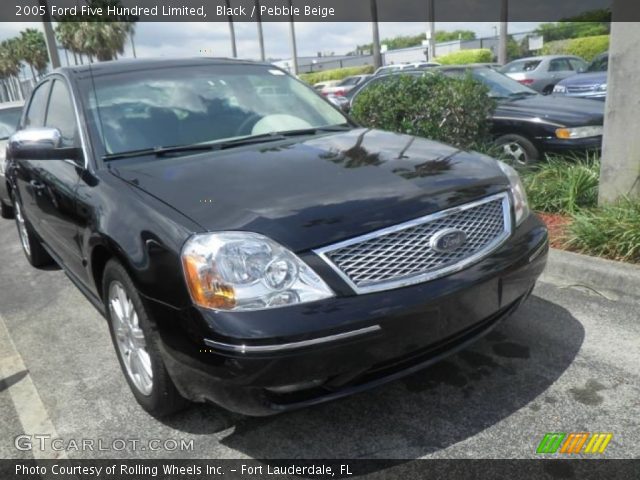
(162, 151)
(314, 130)
(221, 145)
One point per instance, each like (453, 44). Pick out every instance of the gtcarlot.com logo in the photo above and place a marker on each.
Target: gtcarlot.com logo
(582, 442)
(46, 442)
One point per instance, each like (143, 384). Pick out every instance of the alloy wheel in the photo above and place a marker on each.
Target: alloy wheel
(130, 339)
(515, 153)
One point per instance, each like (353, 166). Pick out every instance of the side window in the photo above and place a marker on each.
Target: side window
(577, 64)
(37, 106)
(559, 65)
(60, 113)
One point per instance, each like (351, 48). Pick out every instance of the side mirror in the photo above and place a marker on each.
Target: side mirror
(40, 144)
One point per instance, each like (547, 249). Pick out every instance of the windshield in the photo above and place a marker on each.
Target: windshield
(349, 81)
(500, 86)
(187, 105)
(600, 64)
(520, 66)
(9, 119)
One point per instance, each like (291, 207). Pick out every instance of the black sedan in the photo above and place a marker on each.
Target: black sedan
(262, 253)
(525, 123)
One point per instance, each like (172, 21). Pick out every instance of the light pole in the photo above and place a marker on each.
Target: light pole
(49, 37)
(431, 30)
(377, 57)
(502, 44)
(232, 31)
(292, 32)
(260, 36)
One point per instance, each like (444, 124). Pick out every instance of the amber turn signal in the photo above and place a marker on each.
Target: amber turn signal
(206, 288)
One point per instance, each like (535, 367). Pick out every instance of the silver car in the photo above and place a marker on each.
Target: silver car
(9, 118)
(542, 73)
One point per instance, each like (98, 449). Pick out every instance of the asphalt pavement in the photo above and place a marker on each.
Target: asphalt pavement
(567, 361)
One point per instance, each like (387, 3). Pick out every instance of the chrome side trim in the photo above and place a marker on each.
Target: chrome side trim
(537, 120)
(291, 345)
(420, 278)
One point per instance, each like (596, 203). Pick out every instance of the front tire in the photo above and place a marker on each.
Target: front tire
(36, 255)
(6, 211)
(518, 150)
(135, 340)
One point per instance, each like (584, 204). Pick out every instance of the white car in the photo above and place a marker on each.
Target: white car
(327, 83)
(345, 85)
(10, 113)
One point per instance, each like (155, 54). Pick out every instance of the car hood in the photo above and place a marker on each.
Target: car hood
(566, 111)
(312, 191)
(592, 78)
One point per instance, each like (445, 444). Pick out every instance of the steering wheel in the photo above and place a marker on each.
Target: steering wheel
(251, 120)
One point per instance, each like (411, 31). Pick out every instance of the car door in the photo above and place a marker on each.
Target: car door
(54, 182)
(560, 68)
(27, 170)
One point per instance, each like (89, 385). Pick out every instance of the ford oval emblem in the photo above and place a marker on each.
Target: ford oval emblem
(448, 240)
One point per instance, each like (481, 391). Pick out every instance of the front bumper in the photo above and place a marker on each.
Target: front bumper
(298, 356)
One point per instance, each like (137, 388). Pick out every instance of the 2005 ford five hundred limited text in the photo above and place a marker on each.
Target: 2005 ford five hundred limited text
(249, 245)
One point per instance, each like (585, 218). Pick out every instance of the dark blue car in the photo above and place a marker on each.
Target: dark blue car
(592, 83)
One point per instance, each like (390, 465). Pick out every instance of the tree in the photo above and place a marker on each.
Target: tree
(442, 36)
(10, 67)
(407, 41)
(101, 38)
(33, 50)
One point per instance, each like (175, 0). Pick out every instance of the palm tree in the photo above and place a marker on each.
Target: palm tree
(65, 34)
(33, 50)
(10, 67)
(95, 37)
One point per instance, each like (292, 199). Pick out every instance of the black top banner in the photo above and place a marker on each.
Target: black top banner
(316, 10)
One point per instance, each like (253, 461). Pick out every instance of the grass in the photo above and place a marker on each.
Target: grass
(611, 231)
(563, 185)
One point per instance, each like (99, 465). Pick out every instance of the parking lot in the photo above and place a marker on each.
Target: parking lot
(566, 362)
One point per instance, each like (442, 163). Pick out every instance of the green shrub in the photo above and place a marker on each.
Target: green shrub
(612, 231)
(451, 110)
(335, 74)
(462, 57)
(585, 47)
(563, 185)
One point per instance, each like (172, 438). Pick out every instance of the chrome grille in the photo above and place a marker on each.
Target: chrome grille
(580, 88)
(403, 254)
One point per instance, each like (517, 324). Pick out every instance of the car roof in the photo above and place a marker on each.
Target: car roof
(541, 58)
(130, 65)
(8, 105)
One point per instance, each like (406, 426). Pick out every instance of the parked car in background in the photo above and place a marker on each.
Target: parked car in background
(9, 118)
(405, 66)
(344, 86)
(592, 83)
(327, 83)
(525, 123)
(265, 255)
(542, 73)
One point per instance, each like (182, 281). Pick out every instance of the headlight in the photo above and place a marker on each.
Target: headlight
(559, 89)
(602, 87)
(579, 132)
(520, 204)
(247, 271)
